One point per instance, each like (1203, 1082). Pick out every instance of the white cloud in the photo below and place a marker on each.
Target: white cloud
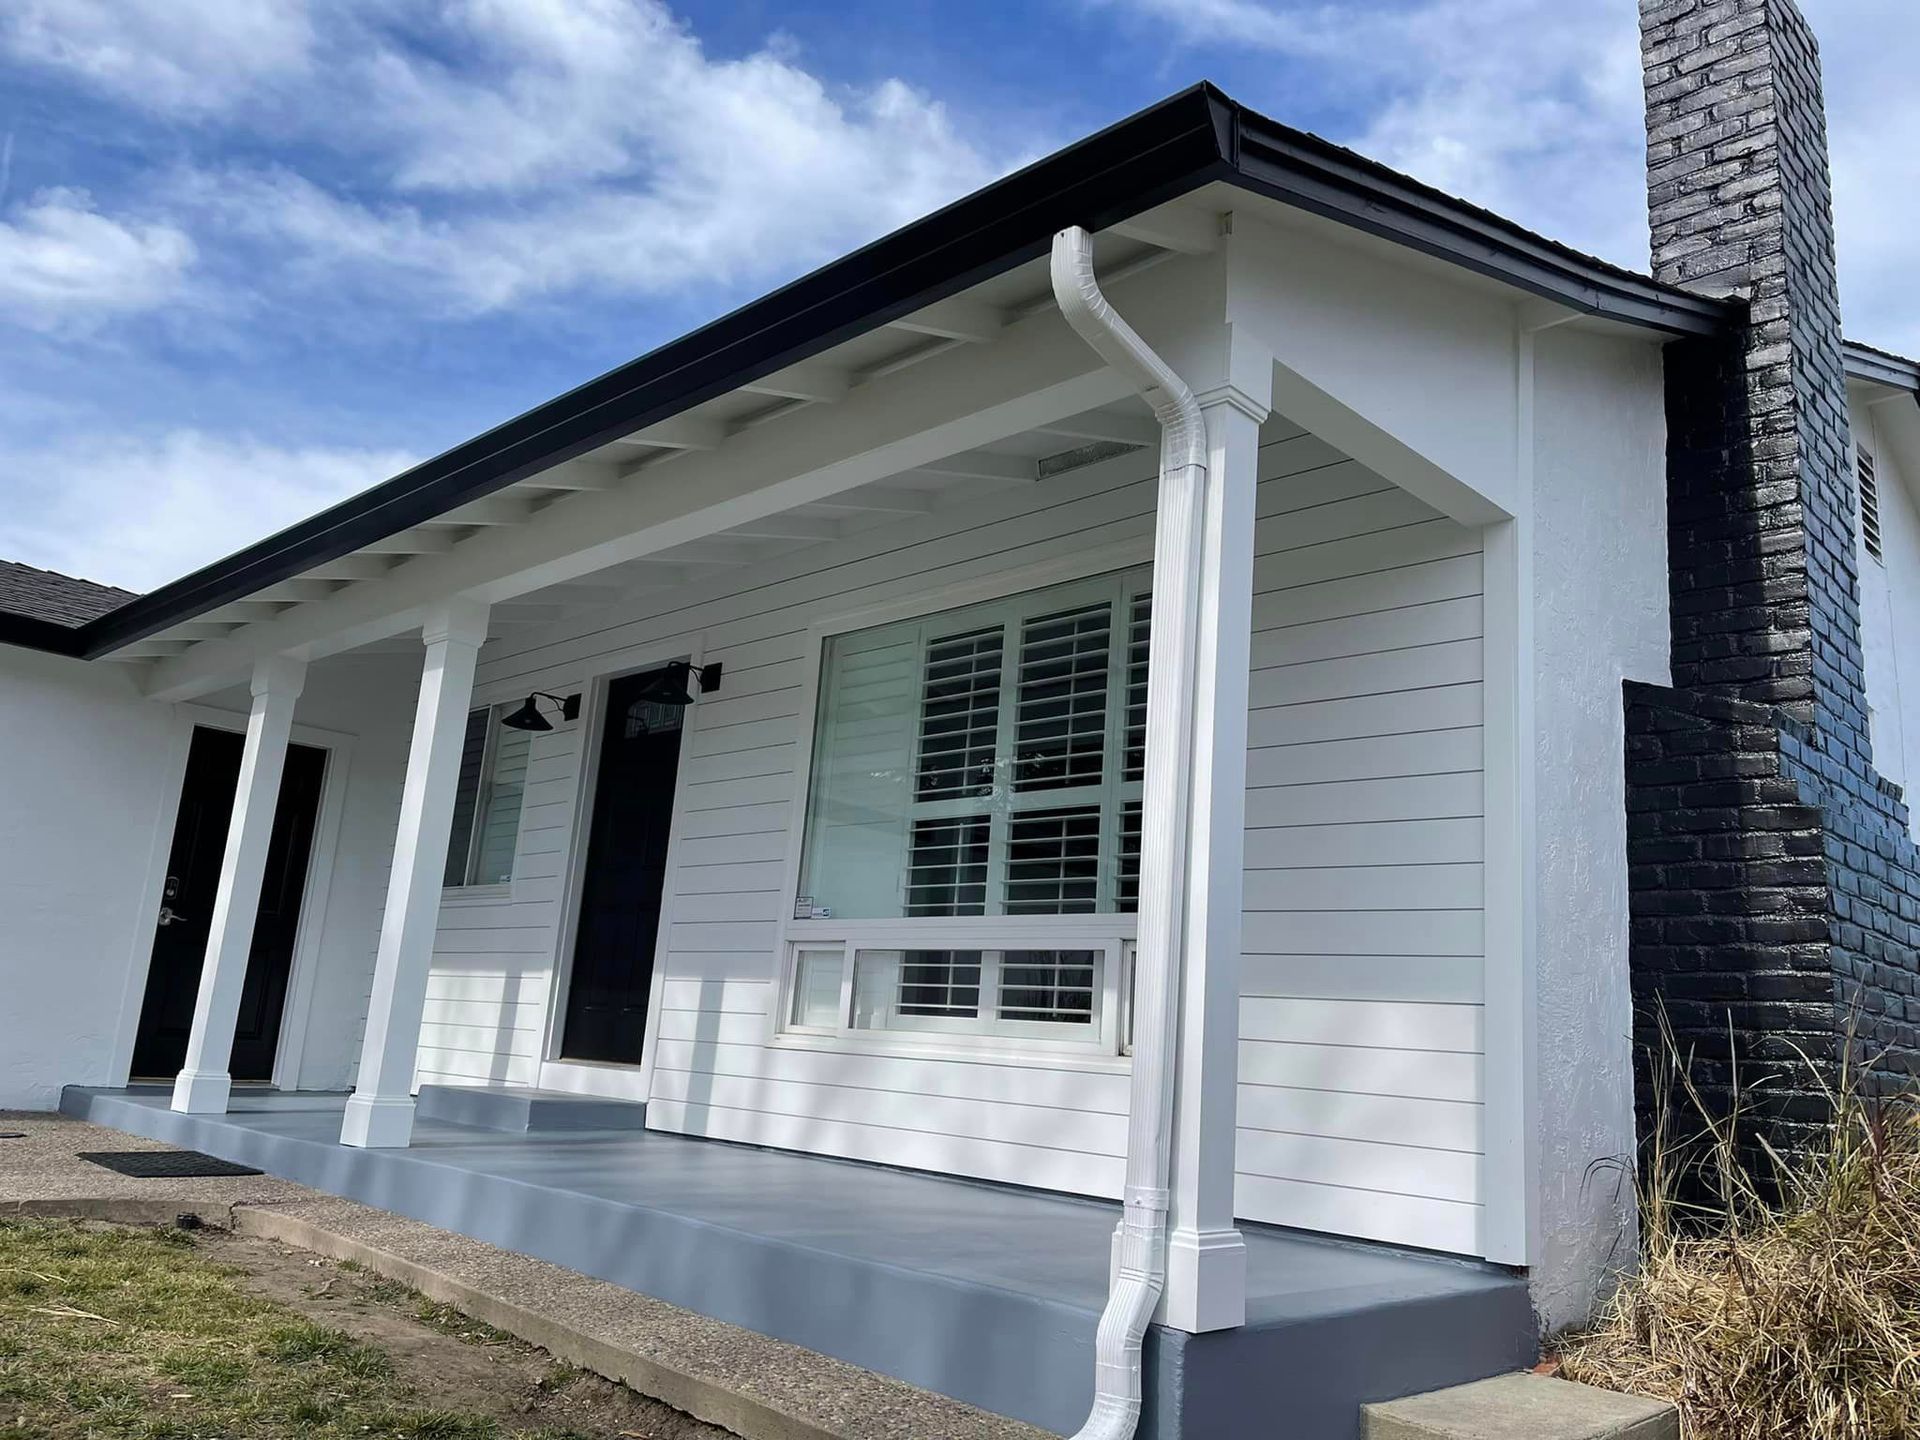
(140, 509)
(174, 55)
(762, 174)
(580, 145)
(462, 156)
(64, 265)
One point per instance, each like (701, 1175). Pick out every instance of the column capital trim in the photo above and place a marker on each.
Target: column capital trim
(1232, 397)
(279, 675)
(461, 620)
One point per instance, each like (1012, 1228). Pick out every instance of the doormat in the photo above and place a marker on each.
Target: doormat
(166, 1164)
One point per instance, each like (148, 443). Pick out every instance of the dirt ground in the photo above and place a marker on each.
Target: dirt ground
(455, 1362)
(472, 1380)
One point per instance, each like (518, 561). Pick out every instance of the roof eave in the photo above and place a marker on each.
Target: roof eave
(1309, 173)
(1879, 368)
(1145, 160)
(1170, 149)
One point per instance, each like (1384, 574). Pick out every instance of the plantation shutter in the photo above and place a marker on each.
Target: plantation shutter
(1063, 698)
(980, 763)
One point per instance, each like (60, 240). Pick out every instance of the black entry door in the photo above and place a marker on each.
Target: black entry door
(186, 916)
(626, 869)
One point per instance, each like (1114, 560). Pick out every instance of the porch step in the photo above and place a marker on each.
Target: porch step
(1521, 1407)
(520, 1109)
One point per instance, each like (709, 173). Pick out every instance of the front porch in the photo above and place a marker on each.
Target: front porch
(986, 1293)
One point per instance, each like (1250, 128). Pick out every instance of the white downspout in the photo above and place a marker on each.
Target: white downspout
(1142, 1240)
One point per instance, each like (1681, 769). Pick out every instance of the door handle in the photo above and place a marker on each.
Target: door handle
(167, 915)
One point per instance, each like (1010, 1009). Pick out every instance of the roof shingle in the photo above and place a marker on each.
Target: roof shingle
(60, 599)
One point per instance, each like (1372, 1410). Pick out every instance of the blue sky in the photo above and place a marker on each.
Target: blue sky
(254, 257)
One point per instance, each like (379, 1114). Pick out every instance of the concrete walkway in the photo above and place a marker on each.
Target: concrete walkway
(760, 1388)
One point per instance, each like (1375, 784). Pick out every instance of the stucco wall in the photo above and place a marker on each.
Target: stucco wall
(370, 698)
(1890, 604)
(1600, 617)
(88, 793)
(83, 793)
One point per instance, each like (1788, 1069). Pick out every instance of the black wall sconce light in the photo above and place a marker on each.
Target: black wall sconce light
(672, 683)
(528, 716)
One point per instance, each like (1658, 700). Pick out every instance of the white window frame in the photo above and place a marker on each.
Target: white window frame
(468, 888)
(1105, 1034)
(1111, 933)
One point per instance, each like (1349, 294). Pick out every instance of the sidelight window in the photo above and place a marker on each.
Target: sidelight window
(487, 799)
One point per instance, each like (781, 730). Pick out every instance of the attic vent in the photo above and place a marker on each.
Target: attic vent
(1869, 507)
(1083, 455)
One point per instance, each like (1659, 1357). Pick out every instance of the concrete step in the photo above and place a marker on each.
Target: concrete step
(1521, 1407)
(519, 1109)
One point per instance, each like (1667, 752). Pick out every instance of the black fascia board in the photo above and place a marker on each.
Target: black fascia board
(1169, 149)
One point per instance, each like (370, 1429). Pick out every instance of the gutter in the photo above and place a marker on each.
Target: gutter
(1197, 137)
(30, 632)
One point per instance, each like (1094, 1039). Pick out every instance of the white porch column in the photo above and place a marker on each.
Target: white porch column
(203, 1084)
(380, 1110)
(1206, 1257)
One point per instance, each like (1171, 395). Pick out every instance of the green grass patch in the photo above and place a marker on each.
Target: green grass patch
(121, 1334)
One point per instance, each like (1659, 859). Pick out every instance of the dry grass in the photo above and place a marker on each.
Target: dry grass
(123, 1334)
(1782, 1310)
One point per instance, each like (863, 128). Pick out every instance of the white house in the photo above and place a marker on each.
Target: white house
(764, 732)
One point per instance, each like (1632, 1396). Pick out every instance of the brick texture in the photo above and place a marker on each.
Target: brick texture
(1775, 891)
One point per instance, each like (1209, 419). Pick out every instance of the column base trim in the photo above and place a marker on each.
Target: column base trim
(1206, 1281)
(374, 1122)
(202, 1092)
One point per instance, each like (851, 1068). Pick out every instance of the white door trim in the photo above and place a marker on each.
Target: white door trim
(585, 1077)
(309, 930)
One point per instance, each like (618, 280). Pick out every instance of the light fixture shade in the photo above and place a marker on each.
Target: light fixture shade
(527, 717)
(669, 685)
(673, 683)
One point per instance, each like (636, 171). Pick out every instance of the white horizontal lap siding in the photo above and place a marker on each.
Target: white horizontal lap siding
(486, 1013)
(1359, 1070)
(1360, 1076)
(1053, 1124)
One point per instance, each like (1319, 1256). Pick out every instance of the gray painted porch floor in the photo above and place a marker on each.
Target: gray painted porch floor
(985, 1293)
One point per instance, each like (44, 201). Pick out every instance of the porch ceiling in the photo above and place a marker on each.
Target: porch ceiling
(1000, 465)
(714, 428)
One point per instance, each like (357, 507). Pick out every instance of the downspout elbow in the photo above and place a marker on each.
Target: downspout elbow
(1076, 290)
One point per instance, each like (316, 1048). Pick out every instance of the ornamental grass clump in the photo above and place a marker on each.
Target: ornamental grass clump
(1785, 1305)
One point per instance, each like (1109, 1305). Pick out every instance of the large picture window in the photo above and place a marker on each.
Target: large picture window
(977, 774)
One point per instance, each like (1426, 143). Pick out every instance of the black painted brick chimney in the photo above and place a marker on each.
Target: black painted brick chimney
(1775, 891)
